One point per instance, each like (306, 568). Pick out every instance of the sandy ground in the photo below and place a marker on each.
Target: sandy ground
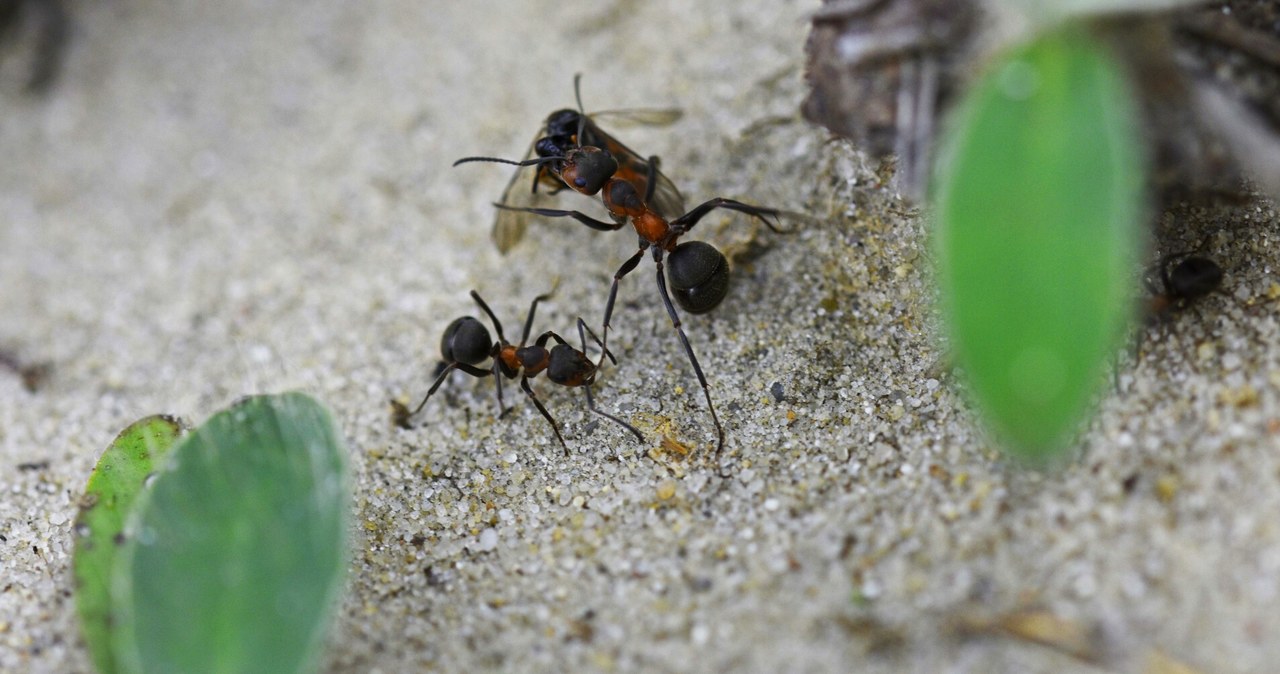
(226, 198)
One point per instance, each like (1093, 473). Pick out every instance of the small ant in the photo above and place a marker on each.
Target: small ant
(567, 129)
(1185, 277)
(699, 272)
(466, 344)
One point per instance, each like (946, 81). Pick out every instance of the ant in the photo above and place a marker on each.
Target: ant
(699, 272)
(566, 129)
(1185, 277)
(466, 344)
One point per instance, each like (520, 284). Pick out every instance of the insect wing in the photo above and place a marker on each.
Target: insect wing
(509, 226)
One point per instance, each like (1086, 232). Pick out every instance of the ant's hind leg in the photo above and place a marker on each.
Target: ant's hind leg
(686, 222)
(400, 414)
(688, 350)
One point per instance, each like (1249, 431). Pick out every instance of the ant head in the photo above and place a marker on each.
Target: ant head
(698, 275)
(1194, 277)
(570, 367)
(563, 123)
(466, 340)
(587, 169)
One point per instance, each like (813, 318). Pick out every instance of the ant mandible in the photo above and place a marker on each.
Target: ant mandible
(699, 272)
(466, 344)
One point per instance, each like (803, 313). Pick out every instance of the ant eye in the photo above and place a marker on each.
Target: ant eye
(580, 182)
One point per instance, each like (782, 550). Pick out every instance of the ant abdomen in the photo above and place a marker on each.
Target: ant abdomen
(698, 276)
(466, 340)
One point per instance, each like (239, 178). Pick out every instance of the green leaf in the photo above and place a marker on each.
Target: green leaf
(108, 499)
(239, 548)
(1039, 203)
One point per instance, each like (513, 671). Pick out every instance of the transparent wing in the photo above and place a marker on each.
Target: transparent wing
(508, 226)
(667, 200)
(640, 116)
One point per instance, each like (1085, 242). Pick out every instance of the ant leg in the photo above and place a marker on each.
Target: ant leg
(686, 222)
(688, 350)
(524, 384)
(576, 215)
(402, 414)
(497, 325)
(625, 269)
(548, 336)
(604, 352)
(528, 321)
(497, 379)
(591, 405)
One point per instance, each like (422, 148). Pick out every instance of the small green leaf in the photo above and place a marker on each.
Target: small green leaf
(1039, 208)
(107, 500)
(238, 549)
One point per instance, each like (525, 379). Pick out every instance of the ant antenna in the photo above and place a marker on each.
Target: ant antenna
(604, 352)
(582, 113)
(500, 160)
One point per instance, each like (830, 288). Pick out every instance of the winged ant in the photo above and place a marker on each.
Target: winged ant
(561, 132)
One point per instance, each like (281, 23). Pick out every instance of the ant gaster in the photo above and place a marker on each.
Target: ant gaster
(701, 269)
(466, 344)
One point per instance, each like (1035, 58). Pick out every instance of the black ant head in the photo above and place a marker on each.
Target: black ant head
(570, 367)
(563, 123)
(587, 169)
(698, 275)
(1193, 277)
(466, 340)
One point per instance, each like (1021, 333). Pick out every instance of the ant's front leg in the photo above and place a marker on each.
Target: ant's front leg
(585, 219)
(625, 269)
(524, 384)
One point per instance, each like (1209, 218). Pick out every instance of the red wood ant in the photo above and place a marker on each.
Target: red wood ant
(1185, 278)
(466, 344)
(699, 272)
(567, 129)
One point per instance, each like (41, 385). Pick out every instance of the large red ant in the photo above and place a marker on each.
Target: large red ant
(466, 344)
(567, 129)
(699, 272)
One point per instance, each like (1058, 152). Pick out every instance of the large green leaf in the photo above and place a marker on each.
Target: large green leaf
(1039, 212)
(238, 550)
(107, 500)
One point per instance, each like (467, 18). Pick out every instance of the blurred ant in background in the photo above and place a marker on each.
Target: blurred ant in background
(567, 129)
(466, 344)
(1184, 278)
(699, 272)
